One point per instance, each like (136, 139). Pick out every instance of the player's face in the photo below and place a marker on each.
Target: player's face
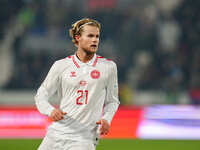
(89, 39)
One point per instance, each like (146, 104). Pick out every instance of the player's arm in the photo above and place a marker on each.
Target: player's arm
(112, 100)
(46, 90)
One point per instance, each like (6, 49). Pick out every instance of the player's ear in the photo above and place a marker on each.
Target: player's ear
(77, 37)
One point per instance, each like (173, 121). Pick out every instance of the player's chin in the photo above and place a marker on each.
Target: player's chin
(92, 50)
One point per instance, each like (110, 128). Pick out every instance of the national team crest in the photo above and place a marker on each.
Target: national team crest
(95, 74)
(82, 83)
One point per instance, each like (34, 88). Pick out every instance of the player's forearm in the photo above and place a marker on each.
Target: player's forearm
(41, 101)
(110, 110)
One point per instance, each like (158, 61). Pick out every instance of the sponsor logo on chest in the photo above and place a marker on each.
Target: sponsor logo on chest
(94, 74)
(83, 83)
(73, 74)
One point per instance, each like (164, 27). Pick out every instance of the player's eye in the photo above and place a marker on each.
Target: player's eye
(90, 35)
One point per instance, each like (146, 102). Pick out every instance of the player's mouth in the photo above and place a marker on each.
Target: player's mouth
(94, 45)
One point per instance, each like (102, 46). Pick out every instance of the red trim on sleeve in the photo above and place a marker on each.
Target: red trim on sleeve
(105, 58)
(100, 57)
(75, 62)
(108, 59)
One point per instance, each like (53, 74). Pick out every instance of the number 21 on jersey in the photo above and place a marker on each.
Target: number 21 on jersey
(82, 98)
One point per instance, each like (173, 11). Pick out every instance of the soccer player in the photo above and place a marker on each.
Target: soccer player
(87, 87)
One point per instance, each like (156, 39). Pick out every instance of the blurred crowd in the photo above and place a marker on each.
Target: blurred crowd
(154, 43)
(8, 9)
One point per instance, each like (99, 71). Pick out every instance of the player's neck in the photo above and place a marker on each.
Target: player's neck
(83, 56)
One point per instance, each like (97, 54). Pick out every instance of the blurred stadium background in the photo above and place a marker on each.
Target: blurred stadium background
(155, 44)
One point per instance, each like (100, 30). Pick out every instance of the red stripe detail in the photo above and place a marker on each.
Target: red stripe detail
(100, 57)
(108, 59)
(103, 57)
(95, 62)
(75, 62)
(69, 57)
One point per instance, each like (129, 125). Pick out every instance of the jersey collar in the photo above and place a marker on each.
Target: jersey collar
(78, 63)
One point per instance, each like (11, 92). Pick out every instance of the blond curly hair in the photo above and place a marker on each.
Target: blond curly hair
(77, 27)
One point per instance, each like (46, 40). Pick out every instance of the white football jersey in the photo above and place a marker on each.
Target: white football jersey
(87, 93)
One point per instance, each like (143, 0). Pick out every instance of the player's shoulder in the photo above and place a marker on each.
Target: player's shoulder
(106, 61)
(62, 63)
